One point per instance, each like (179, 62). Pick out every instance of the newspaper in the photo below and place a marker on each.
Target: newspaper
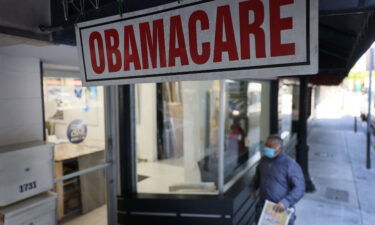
(270, 217)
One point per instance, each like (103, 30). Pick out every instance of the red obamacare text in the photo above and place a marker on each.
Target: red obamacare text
(148, 49)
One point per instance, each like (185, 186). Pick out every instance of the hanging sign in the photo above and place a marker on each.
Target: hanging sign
(201, 40)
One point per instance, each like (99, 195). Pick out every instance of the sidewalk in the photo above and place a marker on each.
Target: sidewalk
(345, 188)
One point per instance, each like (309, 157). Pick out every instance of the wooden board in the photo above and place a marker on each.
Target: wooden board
(59, 189)
(67, 151)
(93, 185)
(30, 167)
(89, 154)
(36, 210)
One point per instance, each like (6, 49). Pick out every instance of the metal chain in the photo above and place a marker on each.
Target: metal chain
(95, 4)
(120, 4)
(79, 8)
(65, 4)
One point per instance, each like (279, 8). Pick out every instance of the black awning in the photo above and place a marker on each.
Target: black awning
(346, 31)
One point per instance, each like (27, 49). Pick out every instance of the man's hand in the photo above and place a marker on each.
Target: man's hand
(253, 195)
(279, 207)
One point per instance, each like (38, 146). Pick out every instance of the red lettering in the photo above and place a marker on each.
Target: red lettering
(112, 50)
(205, 24)
(96, 37)
(254, 28)
(130, 42)
(153, 43)
(277, 25)
(224, 18)
(177, 35)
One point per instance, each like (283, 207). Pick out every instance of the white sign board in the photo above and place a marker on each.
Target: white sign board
(201, 40)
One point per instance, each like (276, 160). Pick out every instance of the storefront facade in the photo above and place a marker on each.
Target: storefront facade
(203, 145)
(187, 127)
(191, 149)
(181, 152)
(190, 142)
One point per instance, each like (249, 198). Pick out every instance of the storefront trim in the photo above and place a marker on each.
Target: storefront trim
(222, 136)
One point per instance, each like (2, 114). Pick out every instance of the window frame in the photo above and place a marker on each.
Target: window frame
(131, 171)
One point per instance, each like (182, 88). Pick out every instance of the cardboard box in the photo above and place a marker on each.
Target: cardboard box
(25, 170)
(38, 210)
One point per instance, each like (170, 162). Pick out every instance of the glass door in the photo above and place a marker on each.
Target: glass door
(75, 124)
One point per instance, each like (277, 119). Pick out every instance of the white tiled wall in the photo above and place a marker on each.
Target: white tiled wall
(21, 117)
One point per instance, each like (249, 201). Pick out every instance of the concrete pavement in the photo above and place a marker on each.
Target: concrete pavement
(345, 188)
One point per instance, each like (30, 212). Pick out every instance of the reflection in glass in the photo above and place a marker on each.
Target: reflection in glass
(74, 121)
(177, 137)
(66, 101)
(245, 126)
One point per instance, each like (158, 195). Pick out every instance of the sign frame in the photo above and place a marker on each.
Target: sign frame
(272, 71)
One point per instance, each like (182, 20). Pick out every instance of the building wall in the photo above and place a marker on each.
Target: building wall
(21, 114)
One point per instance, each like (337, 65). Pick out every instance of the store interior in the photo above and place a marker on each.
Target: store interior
(74, 121)
(177, 131)
(180, 122)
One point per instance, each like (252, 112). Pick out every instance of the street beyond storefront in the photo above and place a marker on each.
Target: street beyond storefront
(337, 154)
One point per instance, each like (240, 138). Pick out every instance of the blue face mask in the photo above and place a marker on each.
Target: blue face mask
(269, 152)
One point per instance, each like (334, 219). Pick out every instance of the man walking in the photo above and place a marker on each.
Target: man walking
(279, 178)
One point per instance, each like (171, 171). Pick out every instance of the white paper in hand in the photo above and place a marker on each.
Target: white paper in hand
(271, 217)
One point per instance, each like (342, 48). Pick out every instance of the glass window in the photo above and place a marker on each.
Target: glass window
(178, 133)
(246, 124)
(177, 137)
(70, 107)
(74, 121)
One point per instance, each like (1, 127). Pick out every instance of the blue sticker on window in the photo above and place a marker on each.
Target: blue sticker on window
(78, 92)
